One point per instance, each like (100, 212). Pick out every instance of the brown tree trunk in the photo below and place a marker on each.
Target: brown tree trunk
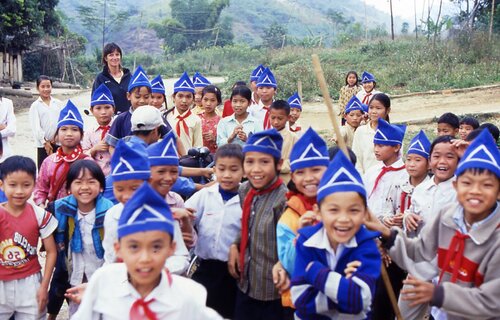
(392, 21)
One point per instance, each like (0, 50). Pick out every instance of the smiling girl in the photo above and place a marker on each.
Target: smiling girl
(210, 99)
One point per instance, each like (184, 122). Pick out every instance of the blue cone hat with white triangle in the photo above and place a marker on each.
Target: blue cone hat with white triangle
(389, 134)
(157, 85)
(184, 84)
(482, 153)
(367, 77)
(199, 81)
(139, 79)
(102, 95)
(295, 101)
(309, 151)
(267, 141)
(355, 104)
(130, 161)
(70, 116)
(420, 145)
(256, 73)
(266, 79)
(164, 152)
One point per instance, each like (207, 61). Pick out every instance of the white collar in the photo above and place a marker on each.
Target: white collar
(319, 240)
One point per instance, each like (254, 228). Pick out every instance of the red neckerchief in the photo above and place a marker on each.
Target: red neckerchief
(296, 129)
(308, 202)
(366, 99)
(105, 130)
(455, 254)
(64, 161)
(245, 220)
(184, 124)
(140, 310)
(381, 174)
(405, 202)
(267, 121)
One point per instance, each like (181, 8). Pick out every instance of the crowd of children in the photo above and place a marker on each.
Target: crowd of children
(288, 229)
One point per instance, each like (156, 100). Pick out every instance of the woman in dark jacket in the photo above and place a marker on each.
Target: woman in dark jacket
(114, 76)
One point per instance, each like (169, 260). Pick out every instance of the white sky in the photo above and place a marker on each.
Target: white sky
(405, 8)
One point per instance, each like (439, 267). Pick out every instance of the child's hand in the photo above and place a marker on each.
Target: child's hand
(386, 258)
(75, 294)
(388, 221)
(309, 218)
(242, 136)
(351, 268)
(233, 262)
(280, 278)
(101, 146)
(185, 215)
(372, 223)
(42, 297)
(397, 220)
(412, 221)
(421, 292)
(460, 146)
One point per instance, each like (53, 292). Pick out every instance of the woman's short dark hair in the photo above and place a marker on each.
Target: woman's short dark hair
(242, 91)
(77, 169)
(41, 78)
(212, 89)
(109, 48)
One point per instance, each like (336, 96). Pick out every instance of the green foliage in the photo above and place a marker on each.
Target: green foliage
(275, 35)
(405, 27)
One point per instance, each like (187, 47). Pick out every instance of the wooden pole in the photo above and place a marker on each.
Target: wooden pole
(491, 20)
(299, 88)
(341, 143)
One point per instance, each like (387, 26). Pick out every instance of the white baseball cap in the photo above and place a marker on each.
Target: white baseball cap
(146, 118)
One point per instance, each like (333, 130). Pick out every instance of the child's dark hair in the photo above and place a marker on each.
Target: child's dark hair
(470, 121)
(385, 101)
(17, 163)
(139, 88)
(473, 134)
(175, 93)
(493, 129)
(79, 129)
(229, 150)
(441, 139)
(242, 91)
(281, 105)
(212, 89)
(348, 74)
(109, 48)
(477, 171)
(77, 170)
(451, 119)
(334, 150)
(42, 78)
(238, 83)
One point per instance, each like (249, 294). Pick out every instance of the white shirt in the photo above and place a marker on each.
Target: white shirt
(258, 112)
(319, 240)
(194, 136)
(218, 223)
(87, 262)
(362, 94)
(362, 146)
(177, 263)
(8, 119)
(43, 120)
(226, 126)
(109, 295)
(428, 197)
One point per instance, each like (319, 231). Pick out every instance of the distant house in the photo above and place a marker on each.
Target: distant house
(11, 66)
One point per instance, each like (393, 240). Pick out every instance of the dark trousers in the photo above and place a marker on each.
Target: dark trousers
(41, 154)
(381, 307)
(221, 287)
(248, 308)
(58, 286)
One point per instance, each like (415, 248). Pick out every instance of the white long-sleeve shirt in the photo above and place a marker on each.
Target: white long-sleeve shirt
(8, 119)
(362, 146)
(43, 120)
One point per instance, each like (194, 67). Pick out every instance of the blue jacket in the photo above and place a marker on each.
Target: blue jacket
(321, 293)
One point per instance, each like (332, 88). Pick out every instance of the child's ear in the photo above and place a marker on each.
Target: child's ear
(455, 184)
(128, 96)
(316, 208)
(279, 164)
(397, 148)
(116, 245)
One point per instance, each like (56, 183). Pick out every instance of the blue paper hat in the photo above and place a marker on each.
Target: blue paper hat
(139, 79)
(145, 211)
(420, 145)
(102, 95)
(367, 77)
(295, 101)
(130, 161)
(482, 153)
(355, 104)
(256, 73)
(309, 151)
(70, 116)
(389, 134)
(340, 176)
(164, 152)
(266, 79)
(184, 84)
(267, 141)
(199, 81)
(157, 85)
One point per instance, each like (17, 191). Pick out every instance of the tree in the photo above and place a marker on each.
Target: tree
(275, 35)
(405, 27)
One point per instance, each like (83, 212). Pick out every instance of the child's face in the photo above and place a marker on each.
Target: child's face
(69, 136)
(377, 110)
(307, 180)
(351, 79)
(416, 165)
(253, 86)
(240, 105)
(183, 101)
(163, 178)
(464, 130)
(103, 113)
(229, 172)
(278, 118)
(209, 103)
(266, 94)
(197, 99)
(354, 118)
(368, 86)
(157, 100)
(85, 189)
(144, 254)
(123, 190)
(443, 161)
(45, 89)
(260, 169)
(294, 115)
(140, 96)
(342, 214)
(445, 129)
(386, 153)
(477, 193)
(18, 187)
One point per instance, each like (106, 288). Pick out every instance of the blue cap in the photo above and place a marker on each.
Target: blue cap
(367, 77)
(267, 141)
(266, 79)
(199, 81)
(184, 84)
(164, 152)
(256, 73)
(70, 116)
(295, 102)
(309, 151)
(139, 79)
(355, 104)
(102, 95)
(340, 176)
(389, 134)
(482, 153)
(145, 211)
(130, 161)
(420, 145)
(157, 85)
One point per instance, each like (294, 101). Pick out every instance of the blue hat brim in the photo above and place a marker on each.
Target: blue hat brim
(253, 148)
(150, 225)
(163, 161)
(136, 175)
(309, 162)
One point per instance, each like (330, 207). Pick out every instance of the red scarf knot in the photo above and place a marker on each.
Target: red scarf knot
(381, 174)
(308, 202)
(405, 202)
(366, 99)
(456, 254)
(181, 121)
(63, 160)
(104, 131)
(140, 310)
(267, 121)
